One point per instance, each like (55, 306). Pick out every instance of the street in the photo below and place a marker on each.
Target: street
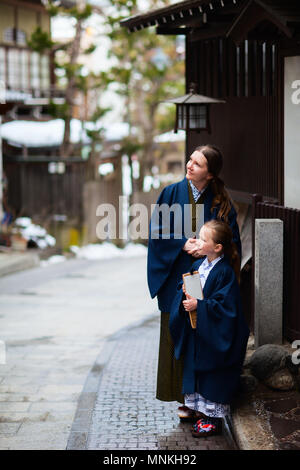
(54, 322)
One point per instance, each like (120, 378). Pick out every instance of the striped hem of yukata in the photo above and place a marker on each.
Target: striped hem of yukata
(196, 402)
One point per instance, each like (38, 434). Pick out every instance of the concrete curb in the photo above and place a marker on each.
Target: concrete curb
(250, 432)
(13, 262)
(78, 437)
(80, 427)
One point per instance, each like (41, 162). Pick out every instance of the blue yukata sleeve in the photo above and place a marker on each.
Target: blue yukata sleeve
(166, 241)
(178, 323)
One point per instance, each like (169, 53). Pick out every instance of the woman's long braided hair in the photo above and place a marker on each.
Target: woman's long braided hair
(214, 159)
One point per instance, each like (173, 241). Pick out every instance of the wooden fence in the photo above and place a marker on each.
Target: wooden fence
(291, 263)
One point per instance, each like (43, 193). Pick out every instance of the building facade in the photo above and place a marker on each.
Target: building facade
(25, 75)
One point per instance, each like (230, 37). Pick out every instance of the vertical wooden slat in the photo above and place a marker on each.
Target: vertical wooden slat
(201, 62)
(296, 314)
(208, 62)
(251, 69)
(268, 70)
(294, 241)
(280, 125)
(224, 81)
(232, 68)
(215, 68)
(258, 66)
(188, 61)
(242, 70)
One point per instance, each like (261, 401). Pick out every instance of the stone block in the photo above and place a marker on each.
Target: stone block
(268, 281)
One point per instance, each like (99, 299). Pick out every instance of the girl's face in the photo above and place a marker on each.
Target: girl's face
(196, 169)
(207, 246)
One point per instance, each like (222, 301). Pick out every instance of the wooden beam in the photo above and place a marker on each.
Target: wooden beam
(250, 17)
(195, 20)
(208, 32)
(172, 31)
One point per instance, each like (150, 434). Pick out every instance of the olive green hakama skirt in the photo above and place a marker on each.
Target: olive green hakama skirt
(170, 370)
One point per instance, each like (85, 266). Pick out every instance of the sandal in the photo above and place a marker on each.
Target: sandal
(199, 421)
(187, 415)
(207, 427)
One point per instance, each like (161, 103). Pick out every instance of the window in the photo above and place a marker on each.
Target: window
(26, 70)
(198, 118)
(8, 35)
(2, 64)
(35, 69)
(45, 79)
(21, 37)
(14, 69)
(14, 35)
(24, 58)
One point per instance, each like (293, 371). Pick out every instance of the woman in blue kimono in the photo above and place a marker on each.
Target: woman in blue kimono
(169, 257)
(214, 351)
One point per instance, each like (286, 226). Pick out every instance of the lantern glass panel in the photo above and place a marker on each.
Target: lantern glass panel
(181, 116)
(198, 116)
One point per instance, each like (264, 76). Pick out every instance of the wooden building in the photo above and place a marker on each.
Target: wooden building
(247, 52)
(26, 76)
(39, 184)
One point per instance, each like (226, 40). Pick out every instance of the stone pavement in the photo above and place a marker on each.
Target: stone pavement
(54, 321)
(117, 408)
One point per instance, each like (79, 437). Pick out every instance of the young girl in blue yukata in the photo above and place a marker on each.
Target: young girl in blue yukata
(214, 351)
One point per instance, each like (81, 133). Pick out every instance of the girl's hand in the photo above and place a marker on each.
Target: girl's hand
(190, 303)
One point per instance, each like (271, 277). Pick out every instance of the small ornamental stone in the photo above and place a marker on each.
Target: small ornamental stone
(248, 383)
(281, 380)
(269, 365)
(267, 360)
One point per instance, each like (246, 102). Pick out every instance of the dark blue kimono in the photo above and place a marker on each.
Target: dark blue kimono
(166, 259)
(213, 352)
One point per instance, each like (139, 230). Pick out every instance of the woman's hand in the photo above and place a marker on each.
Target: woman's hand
(195, 251)
(189, 245)
(192, 247)
(190, 303)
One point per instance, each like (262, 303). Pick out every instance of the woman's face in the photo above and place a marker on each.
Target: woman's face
(196, 169)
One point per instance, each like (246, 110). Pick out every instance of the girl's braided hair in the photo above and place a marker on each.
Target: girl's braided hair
(222, 233)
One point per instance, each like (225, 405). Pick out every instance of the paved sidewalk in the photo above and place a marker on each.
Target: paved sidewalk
(117, 408)
(53, 323)
(14, 261)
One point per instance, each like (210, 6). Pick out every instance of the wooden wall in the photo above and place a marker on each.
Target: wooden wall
(34, 192)
(248, 128)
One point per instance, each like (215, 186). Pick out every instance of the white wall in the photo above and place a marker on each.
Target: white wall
(292, 132)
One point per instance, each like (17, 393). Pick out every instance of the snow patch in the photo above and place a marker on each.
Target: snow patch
(34, 233)
(106, 250)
